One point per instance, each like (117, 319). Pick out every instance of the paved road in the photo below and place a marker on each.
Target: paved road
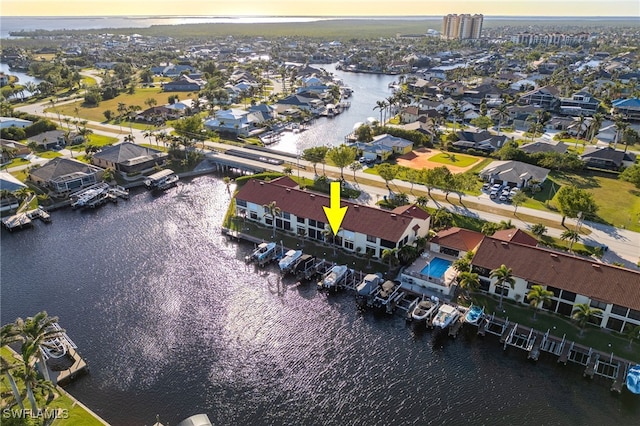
(624, 245)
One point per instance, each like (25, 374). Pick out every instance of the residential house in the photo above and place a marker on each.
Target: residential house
(513, 173)
(128, 157)
(364, 229)
(11, 149)
(64, 175)
(4, 79)
(481, 141)
(581, 103)
(607, 158)
(456, 242)
(573, 280)
(515, 235)
(544, 97)
(398, 145)
(183, 84)
(49, 140)
(6, 122)
(314, 106)
(9, 183)
(544, 146)
(373, 151)
(235, 121)
(158, 113)
(627, 108)
(265, 112)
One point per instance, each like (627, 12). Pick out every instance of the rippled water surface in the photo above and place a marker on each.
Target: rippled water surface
(172, 322)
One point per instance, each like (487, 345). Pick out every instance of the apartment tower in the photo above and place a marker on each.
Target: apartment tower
(461, 27)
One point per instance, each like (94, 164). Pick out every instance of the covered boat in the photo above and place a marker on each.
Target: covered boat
(289, 260)
(334, 276)
(633, 379)
(446, 315)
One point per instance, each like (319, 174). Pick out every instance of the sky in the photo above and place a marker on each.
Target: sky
(628, 8)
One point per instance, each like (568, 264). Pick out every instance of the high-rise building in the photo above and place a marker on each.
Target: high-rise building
(461, 27)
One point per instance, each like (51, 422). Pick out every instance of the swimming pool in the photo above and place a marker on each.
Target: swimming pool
(436, 267)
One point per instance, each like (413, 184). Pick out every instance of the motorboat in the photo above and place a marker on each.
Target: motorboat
(366, 290)
(334, 276)
(633, 379)
(474, 314)
(261, 252)
(289, 260)
(162, 180)
(424, 309)
(446, 315)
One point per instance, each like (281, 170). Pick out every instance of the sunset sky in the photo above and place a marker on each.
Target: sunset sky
(628, 8)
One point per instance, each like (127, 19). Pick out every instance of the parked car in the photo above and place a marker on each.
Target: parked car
(486, 186)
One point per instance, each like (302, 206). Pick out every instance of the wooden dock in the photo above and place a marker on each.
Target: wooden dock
(79, 367)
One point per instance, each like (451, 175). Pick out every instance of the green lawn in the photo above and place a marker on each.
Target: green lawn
(138, 98)
(458, 160)
(49, 154)
(76, 414)
(18, 161)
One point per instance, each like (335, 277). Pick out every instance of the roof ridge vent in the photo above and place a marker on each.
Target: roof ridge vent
(553, 255)
(595, 265)
(312, 195)
(504, 243)
(288, 189)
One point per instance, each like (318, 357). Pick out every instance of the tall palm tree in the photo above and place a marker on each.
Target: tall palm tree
(582, 313)
(596, 122)
(503, 114)
(537, 296)
(390, 255)
(272, 210)
(468, 282)
(539, 230)
(570, 235)
(632, 332)
(10, 334)
(381, 105)
(422, 200)
(503, 275)
(37, 330)
(463, 264)
(621, 127)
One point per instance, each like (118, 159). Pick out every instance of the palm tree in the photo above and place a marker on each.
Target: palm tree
(390, 255)
(463, 264)
(37, 330)
(506, 224)
(130, 138)
(582, 313)
(272, 210)
(538, 295)
(355, 166)
(570, 235)
(538, 230)
(632, 332)
(503, 275)
(422, 200)
(502, 113)
(596, 122)
(10, 334)
(468, 282)
(621, 127)
(287, 170)
(381, 105)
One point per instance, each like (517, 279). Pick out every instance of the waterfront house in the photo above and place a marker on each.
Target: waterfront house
(513, 173)
(627, 108)
(128, 157)
(455, 242)
(364, 229)
(607, 158)
(572, 280)
(398, 145)
(315, 106)
(515, 235)
(544, 146)
(9, 183)
(233, 121)
(63, 175)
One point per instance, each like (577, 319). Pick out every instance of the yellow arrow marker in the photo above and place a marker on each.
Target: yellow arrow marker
(335, 213)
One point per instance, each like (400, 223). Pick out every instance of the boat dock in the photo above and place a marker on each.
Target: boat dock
(24, 218)
(97, 195)
(509, 334)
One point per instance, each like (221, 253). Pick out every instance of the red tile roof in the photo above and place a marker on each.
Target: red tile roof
(412, 210)
(359, 218)
(458, 238)
(606, 283)
(515, 235)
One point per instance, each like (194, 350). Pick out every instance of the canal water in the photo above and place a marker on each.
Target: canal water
(172, 322)
(367, 90)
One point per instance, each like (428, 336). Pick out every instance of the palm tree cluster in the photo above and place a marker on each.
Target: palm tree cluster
(31, 368)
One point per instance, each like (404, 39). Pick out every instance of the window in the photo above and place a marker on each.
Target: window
(484, 284)
(565, 309)
(241, 203)
(313, 234)
(348, 244)
(634, 314)
(268, 220)
(286, 215)
(312, 223)
(504, 290)
(449, 252)
(556, 291)
(371, 251)
(568, 295)
(372, 239)
(253, 215)
(615, 324)
(300, 219)
(619, 310)
(598, 305)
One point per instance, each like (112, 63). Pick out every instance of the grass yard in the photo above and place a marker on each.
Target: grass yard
(49, 154)
(452, 159)
(138, 98)
(18, 161)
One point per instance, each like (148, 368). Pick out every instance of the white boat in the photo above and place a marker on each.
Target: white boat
(289, 259)
(334, 276)
(424, 309)
(162, 180)
(263, 250)
(446, 315)
(474, 314)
